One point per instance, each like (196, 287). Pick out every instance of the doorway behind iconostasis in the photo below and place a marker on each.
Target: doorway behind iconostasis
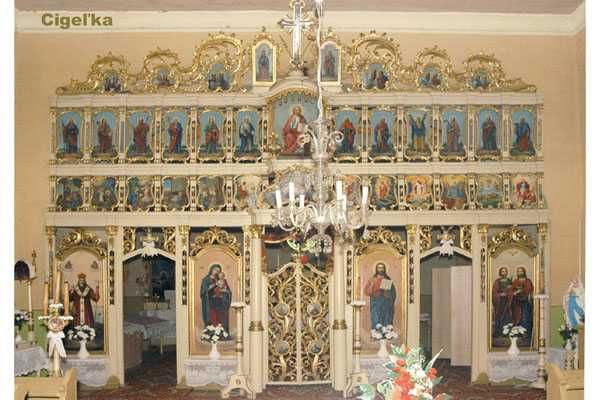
(149, 326)
(446, 307)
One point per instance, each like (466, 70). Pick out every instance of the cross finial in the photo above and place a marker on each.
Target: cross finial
(296, 23)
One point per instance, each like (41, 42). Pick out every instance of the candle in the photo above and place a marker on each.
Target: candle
(365, 194)
(29, 296)
(338, 189)
(45, 305)
(56, 292)
(66, 298)
(301, 201)
(292, 193)
(278, 198)
(344, 202)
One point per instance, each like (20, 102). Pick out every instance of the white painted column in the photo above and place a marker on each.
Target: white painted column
(256, 328)
(339, 326)
(413, 255)
(181, 297)
(114, 315)
(479, 283)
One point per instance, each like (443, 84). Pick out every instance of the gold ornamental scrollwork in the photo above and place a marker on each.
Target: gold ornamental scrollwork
(108, 74)
(128, 239)
(433, 70)
(215, 236)
(79, 239)
(161, 70)
(513, 237)
(484, 72)
(169, 239)
(255, 231)
(465, 237)
(374, 48)
(219, 49)
(382, 236)
(425, 237)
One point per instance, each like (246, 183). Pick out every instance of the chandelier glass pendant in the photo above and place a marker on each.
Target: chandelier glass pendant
(312, 217)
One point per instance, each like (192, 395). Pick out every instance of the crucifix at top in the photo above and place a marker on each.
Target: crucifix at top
(296, 24)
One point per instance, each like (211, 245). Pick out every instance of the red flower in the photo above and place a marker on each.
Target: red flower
(432, 372)
(400, 363)
(303, 258)
(399, 394)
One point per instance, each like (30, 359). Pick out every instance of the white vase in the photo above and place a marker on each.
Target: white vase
(214, 352)
(18, 338)
(569, 345)
(83, 351)
(383, 351)
(513, 350)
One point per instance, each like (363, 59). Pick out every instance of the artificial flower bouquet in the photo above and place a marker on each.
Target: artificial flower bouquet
(383, 332)
(512, 331)
(409, 378)
(213, 333)
(20, 318)
(81, 333)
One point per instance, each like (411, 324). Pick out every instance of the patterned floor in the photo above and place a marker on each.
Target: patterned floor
(156, 380)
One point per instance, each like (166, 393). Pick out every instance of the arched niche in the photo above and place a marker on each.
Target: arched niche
(214, 282)
(381, 247)
(511, 298)
(82, 261)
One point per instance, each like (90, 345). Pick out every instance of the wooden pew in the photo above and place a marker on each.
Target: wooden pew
(564, 384)
(48, 388)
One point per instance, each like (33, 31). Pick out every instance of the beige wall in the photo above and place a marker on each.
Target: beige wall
(554, 63)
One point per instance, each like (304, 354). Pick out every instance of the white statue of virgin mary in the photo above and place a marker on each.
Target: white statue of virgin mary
(574, 304)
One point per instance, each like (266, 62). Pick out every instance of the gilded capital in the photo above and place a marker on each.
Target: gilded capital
(483, 228)
(50, 230)
(184, 230)
(255, 231)
(111, 230)
(411, 229)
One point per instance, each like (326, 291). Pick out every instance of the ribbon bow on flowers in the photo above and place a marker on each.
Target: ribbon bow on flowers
(56, 343)
(408, 378)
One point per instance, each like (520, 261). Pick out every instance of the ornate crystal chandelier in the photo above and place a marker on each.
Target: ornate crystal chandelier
(323, 210)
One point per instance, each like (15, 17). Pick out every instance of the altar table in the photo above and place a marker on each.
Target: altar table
(91, 371)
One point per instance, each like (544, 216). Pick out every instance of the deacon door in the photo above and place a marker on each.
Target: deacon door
(298, 307)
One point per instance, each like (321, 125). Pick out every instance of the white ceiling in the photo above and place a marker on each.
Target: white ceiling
(481, 6)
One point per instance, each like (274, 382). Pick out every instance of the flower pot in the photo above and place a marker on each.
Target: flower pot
(513, 350)
(383, 351)
(214, 352)
(18, 338)
(83, 351)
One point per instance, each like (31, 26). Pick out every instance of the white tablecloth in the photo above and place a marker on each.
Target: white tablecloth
(92, 371)
(152, 330)
(373, 367)
(202, 371)
(502, 367)
(30, 359)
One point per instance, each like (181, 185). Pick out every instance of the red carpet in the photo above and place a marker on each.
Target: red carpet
(156, 380)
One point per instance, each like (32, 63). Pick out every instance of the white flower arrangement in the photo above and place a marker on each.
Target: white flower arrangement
(383, 332)
(20, 318)
(511, 330)
(213, 333)
(81, 333)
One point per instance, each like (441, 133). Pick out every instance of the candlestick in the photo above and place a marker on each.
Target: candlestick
(365, 194)
(45, 298)
(66, 298)
(29, 297)
(301, 201)
(338, 189)
(278, 198)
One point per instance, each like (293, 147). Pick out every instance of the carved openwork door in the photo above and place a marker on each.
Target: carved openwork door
(298, 325)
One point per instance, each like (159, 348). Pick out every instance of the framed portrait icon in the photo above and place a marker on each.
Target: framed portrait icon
(264, 63)
(331, 66)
